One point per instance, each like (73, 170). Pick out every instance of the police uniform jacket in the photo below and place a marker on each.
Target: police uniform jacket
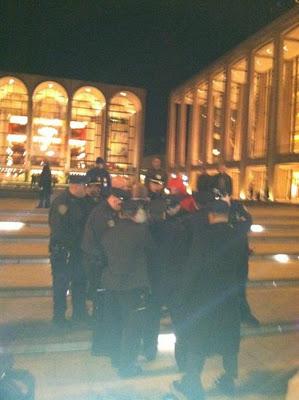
(127, 248)
(99, 175)
(101, 218)
(67, 218)
(156, 174)
(223, 182)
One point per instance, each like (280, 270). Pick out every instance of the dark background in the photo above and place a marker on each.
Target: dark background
(148, 43)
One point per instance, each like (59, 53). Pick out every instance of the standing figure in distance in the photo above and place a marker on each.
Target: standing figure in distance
(222, 181)
(100, 175)
(45, 184)
(155, 173)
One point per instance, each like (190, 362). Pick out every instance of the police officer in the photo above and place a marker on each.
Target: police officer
(66, 219)
(155, 173)
(103, 217)
(100, 175)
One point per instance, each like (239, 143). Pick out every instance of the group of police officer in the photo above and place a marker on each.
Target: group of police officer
(137, 252)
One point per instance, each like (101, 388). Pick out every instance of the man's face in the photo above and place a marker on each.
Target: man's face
(100, 165)
(78, 190)
(156, 163)
(155, 187)
(93, 190)
(114, 202)
(222, 169)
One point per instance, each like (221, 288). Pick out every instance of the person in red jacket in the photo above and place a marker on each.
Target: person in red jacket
(178, 189)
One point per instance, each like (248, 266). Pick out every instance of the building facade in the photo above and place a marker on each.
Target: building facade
(244, 110)
(69, 123)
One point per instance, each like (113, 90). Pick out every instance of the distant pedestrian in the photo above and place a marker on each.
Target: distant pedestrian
(222, 182)
(155, 174)
(45, 184)
(99, 175)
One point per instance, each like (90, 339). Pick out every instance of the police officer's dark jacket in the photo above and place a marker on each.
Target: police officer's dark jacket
(99, 175)
(67, 218)
(102, 217)
(127, 248)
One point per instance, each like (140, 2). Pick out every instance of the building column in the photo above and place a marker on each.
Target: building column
(105, 132)
(274, 112)
(171, 132)
(181, 145)
(194, 142)
(208, 157)
(29, 143)
(248, 98)
(226, 120)
(67, 151)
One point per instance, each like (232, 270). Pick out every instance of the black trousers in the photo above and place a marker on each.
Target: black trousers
(68, 274)
(118, 327)
(44, 198)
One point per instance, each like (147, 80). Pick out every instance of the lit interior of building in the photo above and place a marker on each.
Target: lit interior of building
(69, 128)
(244, 110)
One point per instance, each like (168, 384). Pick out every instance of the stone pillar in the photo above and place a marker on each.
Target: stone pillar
(171, 132)
(226, 119)
(182, 136)
(274, 112)
(194, 142)
(248, 99)
(208, 158)
(67, 150)
(29, 143)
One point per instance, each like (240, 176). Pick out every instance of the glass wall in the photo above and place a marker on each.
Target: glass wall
(13, 125)
(203, 113)
(256, 182)
(218, 92)
(237, 109)
(122, 119)
(49, 124)
(86, 127)
(288, 134)
(262, 91)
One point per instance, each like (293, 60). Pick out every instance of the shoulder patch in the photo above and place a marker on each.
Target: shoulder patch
(111, 223)
(62, 209)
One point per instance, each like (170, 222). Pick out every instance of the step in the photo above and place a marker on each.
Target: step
(274, 245)
(25, 275)
(276, 231)
(267, 269)
(24, 247)
(28, 231)
(276, 210)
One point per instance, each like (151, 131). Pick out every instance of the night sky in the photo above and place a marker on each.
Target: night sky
(152, 44)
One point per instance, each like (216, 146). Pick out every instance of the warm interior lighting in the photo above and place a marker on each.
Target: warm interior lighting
(47, 131)
(11, 226)
(257, 228)
(77, 142)
(281, 258)
(48, 121)
(123, 93)
(78, 124)
(285, 47)
(242, 195)
(18, 119)
(215, 152)
(16, 138)
(87, 90)
(50, 85)
(50, 153)
(41, 139)
(11, 81)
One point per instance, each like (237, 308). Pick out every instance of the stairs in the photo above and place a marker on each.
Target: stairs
(25, 280)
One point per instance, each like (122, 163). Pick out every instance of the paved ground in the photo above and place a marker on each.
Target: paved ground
(266, 364)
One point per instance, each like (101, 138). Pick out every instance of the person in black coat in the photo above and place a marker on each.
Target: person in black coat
(203, 185)
(127, 249)
(45, 184)
(222, 182)
(67, 218)
(155, 174)
(100, 175)
(210, 302)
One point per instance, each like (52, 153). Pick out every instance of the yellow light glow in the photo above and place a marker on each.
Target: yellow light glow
(78, 124)
(48, 121)
(215, 152)
(18, 119)
(11, 226)
(281, 258)
(16, 138)
(50, 153)
(41, 139)
(50, 85)
(166, 342)
(11, 81)
(123, 93)
(47, 131)
(77, 142)
(257, 228)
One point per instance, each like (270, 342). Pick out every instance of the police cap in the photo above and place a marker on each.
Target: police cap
(77, 179)
(121, 194)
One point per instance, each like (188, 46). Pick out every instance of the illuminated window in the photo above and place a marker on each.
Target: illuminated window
(256, 181)
(13, 125)
(121, 141)
(260, 113)
(86, 127)
(236, 110)
(288, 137)
(202, 96)
(218, 92)
(49, 124)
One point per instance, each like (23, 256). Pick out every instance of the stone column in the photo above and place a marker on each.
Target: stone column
(171, 132)
(248, 99)
(226, 119)
(194, 142)
(29, 143)
(67, 150)
(274, 112)
(208, 157)
(181, 150)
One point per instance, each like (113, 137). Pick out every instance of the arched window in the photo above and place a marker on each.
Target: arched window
(86, 126)
(123, 112)
(13, 123)
(49, 124)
